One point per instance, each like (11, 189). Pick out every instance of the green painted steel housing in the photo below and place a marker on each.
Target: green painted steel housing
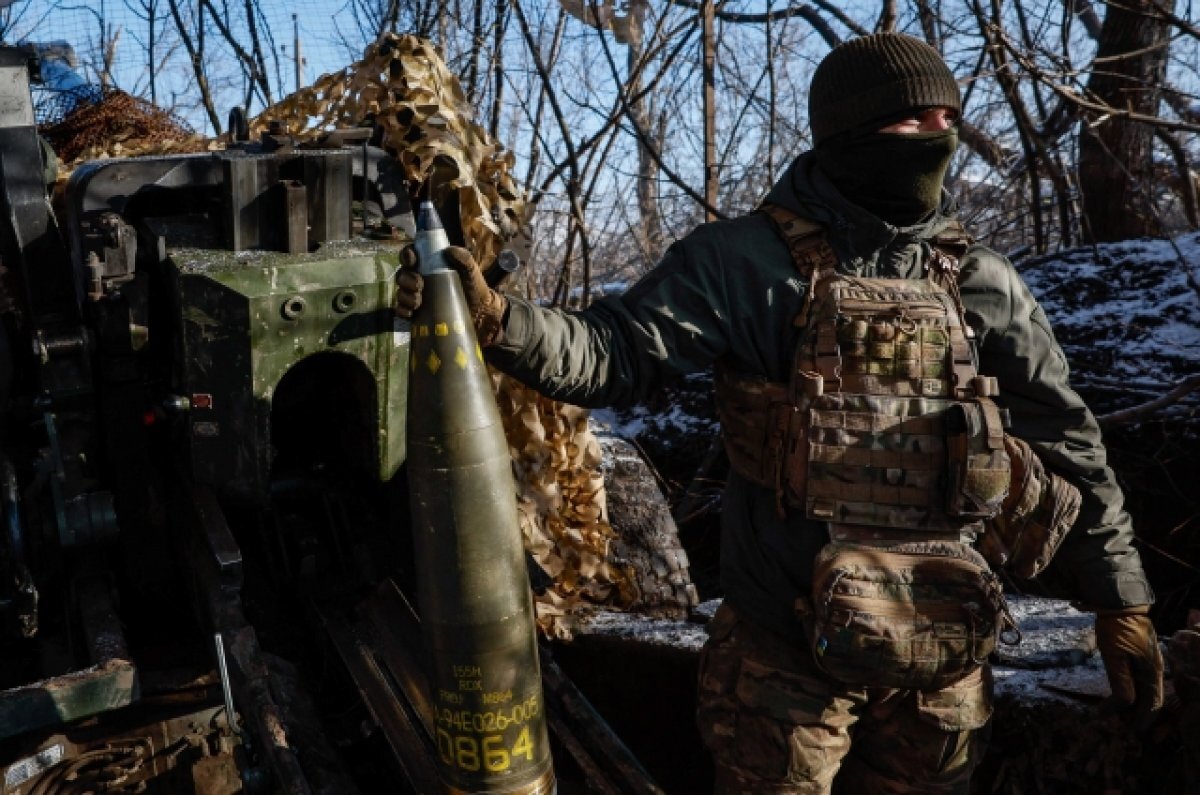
(252, 322)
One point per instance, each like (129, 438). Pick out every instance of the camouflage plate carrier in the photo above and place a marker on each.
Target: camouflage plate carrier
(887, 432)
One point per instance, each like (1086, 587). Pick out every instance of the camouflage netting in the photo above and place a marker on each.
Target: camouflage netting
(561, 501)
(403, 86)
(119, 125)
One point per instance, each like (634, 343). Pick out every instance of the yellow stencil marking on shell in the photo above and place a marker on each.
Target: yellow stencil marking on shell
(459, 328)
(433, 362)
(478, 352)
(460, 358)
(422, 330)
(441, 329)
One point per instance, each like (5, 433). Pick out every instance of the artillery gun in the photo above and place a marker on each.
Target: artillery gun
(202, 456)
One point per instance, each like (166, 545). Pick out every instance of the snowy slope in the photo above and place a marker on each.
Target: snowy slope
(1127, 315)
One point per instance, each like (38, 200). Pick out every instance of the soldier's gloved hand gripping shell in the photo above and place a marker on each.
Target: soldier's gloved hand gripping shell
(408, 285)
(487, 307)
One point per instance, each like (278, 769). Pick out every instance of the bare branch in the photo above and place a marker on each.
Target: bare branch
(804, 11)
(1094, 105)
(644, 137)
(887, 17)
(841, 16)
(249, 62)
(194, 47)
(1083, 9)
(1186, 187)
(1135, 413)
(573, 183)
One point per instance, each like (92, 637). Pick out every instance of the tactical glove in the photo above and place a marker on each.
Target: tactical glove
(487, 307)
(1129, 647)
(408, 285)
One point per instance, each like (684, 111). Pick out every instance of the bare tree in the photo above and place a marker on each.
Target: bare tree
(632, 120)
(192, 39)
(1116, 152)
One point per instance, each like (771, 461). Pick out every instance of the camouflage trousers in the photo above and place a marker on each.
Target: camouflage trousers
(776, 724)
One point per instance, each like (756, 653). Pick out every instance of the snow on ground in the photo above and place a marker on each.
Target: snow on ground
(686, 635)
(1125, 313)
(1056, 659)
(677, 419)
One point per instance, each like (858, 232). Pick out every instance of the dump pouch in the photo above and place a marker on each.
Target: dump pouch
(977, 463)
(1035, 517)
(918, 615)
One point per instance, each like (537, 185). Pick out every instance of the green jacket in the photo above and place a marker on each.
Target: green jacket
(729, 291)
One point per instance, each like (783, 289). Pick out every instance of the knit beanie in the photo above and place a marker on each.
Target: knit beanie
(868, 79)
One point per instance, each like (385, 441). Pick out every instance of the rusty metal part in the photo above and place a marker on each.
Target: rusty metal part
(75, 695)
(110, 682)
(107, 769)
(173, 729)
(98, 615)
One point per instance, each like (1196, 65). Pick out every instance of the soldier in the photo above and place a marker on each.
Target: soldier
(750, 295)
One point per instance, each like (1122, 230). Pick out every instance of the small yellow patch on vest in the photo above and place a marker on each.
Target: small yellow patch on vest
(433, 362)
(460, 358)
(441, 329)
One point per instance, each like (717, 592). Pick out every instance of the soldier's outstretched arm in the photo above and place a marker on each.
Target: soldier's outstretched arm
(622, 348)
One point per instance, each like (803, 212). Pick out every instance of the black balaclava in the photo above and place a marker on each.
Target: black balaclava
(864, 85)
(898, 177)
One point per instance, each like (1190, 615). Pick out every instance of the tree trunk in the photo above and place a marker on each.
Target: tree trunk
(1116, 169)
(195, 50)
(710, 108)
(647, 180)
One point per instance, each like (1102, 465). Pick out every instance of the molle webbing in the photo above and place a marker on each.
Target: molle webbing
(886, 337)
(755, 416)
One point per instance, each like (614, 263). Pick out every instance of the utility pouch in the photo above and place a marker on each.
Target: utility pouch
(918, 615)
(978, 467)
(1035, 517)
